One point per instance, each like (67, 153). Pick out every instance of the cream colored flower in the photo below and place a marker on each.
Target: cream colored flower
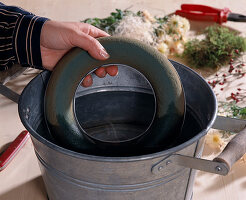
(215, 140)
(184, 25)
(174, 45)
(148, 17)
(167, 39)
(175, 29)
(177, 25)
(178, 47)
(243, 159)
(163, 48)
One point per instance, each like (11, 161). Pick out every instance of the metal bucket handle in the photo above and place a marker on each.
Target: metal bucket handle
(222, 164)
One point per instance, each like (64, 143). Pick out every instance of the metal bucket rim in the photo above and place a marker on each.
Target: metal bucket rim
(120, 159)
(100, 141)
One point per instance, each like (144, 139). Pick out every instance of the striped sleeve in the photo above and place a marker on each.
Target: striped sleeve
(19, 37)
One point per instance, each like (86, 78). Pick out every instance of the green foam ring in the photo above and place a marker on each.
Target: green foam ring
(165, 81)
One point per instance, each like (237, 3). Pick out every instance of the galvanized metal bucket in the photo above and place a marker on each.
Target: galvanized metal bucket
(145, 175)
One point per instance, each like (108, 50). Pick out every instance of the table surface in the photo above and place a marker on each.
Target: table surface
(21, 180)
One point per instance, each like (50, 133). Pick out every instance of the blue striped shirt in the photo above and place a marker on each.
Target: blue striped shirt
(19, 37)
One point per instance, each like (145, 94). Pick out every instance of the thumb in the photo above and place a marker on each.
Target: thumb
(91, 45)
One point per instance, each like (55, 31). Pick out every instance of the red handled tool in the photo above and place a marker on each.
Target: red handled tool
(207, 13)
(13, 149)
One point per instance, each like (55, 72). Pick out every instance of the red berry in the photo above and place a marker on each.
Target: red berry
(237, 100)
(237, 93)
(242, 64)
(225, 80)
(239, 89)
(236, 51)
(221, 89)
(231, 60)
(216, 74)
(209, 82)
(224, 75)
(232, 94)
(239, 71)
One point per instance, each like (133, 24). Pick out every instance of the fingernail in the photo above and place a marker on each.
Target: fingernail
(104, 53)
(112, 70)
(88, 81)
(101, 72)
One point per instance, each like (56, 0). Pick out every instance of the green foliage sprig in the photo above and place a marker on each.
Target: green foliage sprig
(218, 47)
(239, 112)
(108, 24)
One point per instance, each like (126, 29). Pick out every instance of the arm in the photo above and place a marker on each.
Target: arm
(31, 41)
(19, 37)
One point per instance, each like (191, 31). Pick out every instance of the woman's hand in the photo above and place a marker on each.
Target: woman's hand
(57, 38)
(101, 72)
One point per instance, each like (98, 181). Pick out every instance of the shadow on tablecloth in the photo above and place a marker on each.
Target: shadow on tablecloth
(33, 189)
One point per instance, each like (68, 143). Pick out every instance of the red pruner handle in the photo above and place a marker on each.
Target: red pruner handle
(13, 149)
(203, 13)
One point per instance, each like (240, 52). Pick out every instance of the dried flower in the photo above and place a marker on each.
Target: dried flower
(215, 140)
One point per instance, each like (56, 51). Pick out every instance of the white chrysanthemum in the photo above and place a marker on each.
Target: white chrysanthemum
(184, 25)
(169, 40)
(134, 27)
(176, 29)
(163, 48)
(177, 24)
(178, 47)
(174, 44)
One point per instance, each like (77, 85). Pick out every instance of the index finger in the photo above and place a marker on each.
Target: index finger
(92, 30)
